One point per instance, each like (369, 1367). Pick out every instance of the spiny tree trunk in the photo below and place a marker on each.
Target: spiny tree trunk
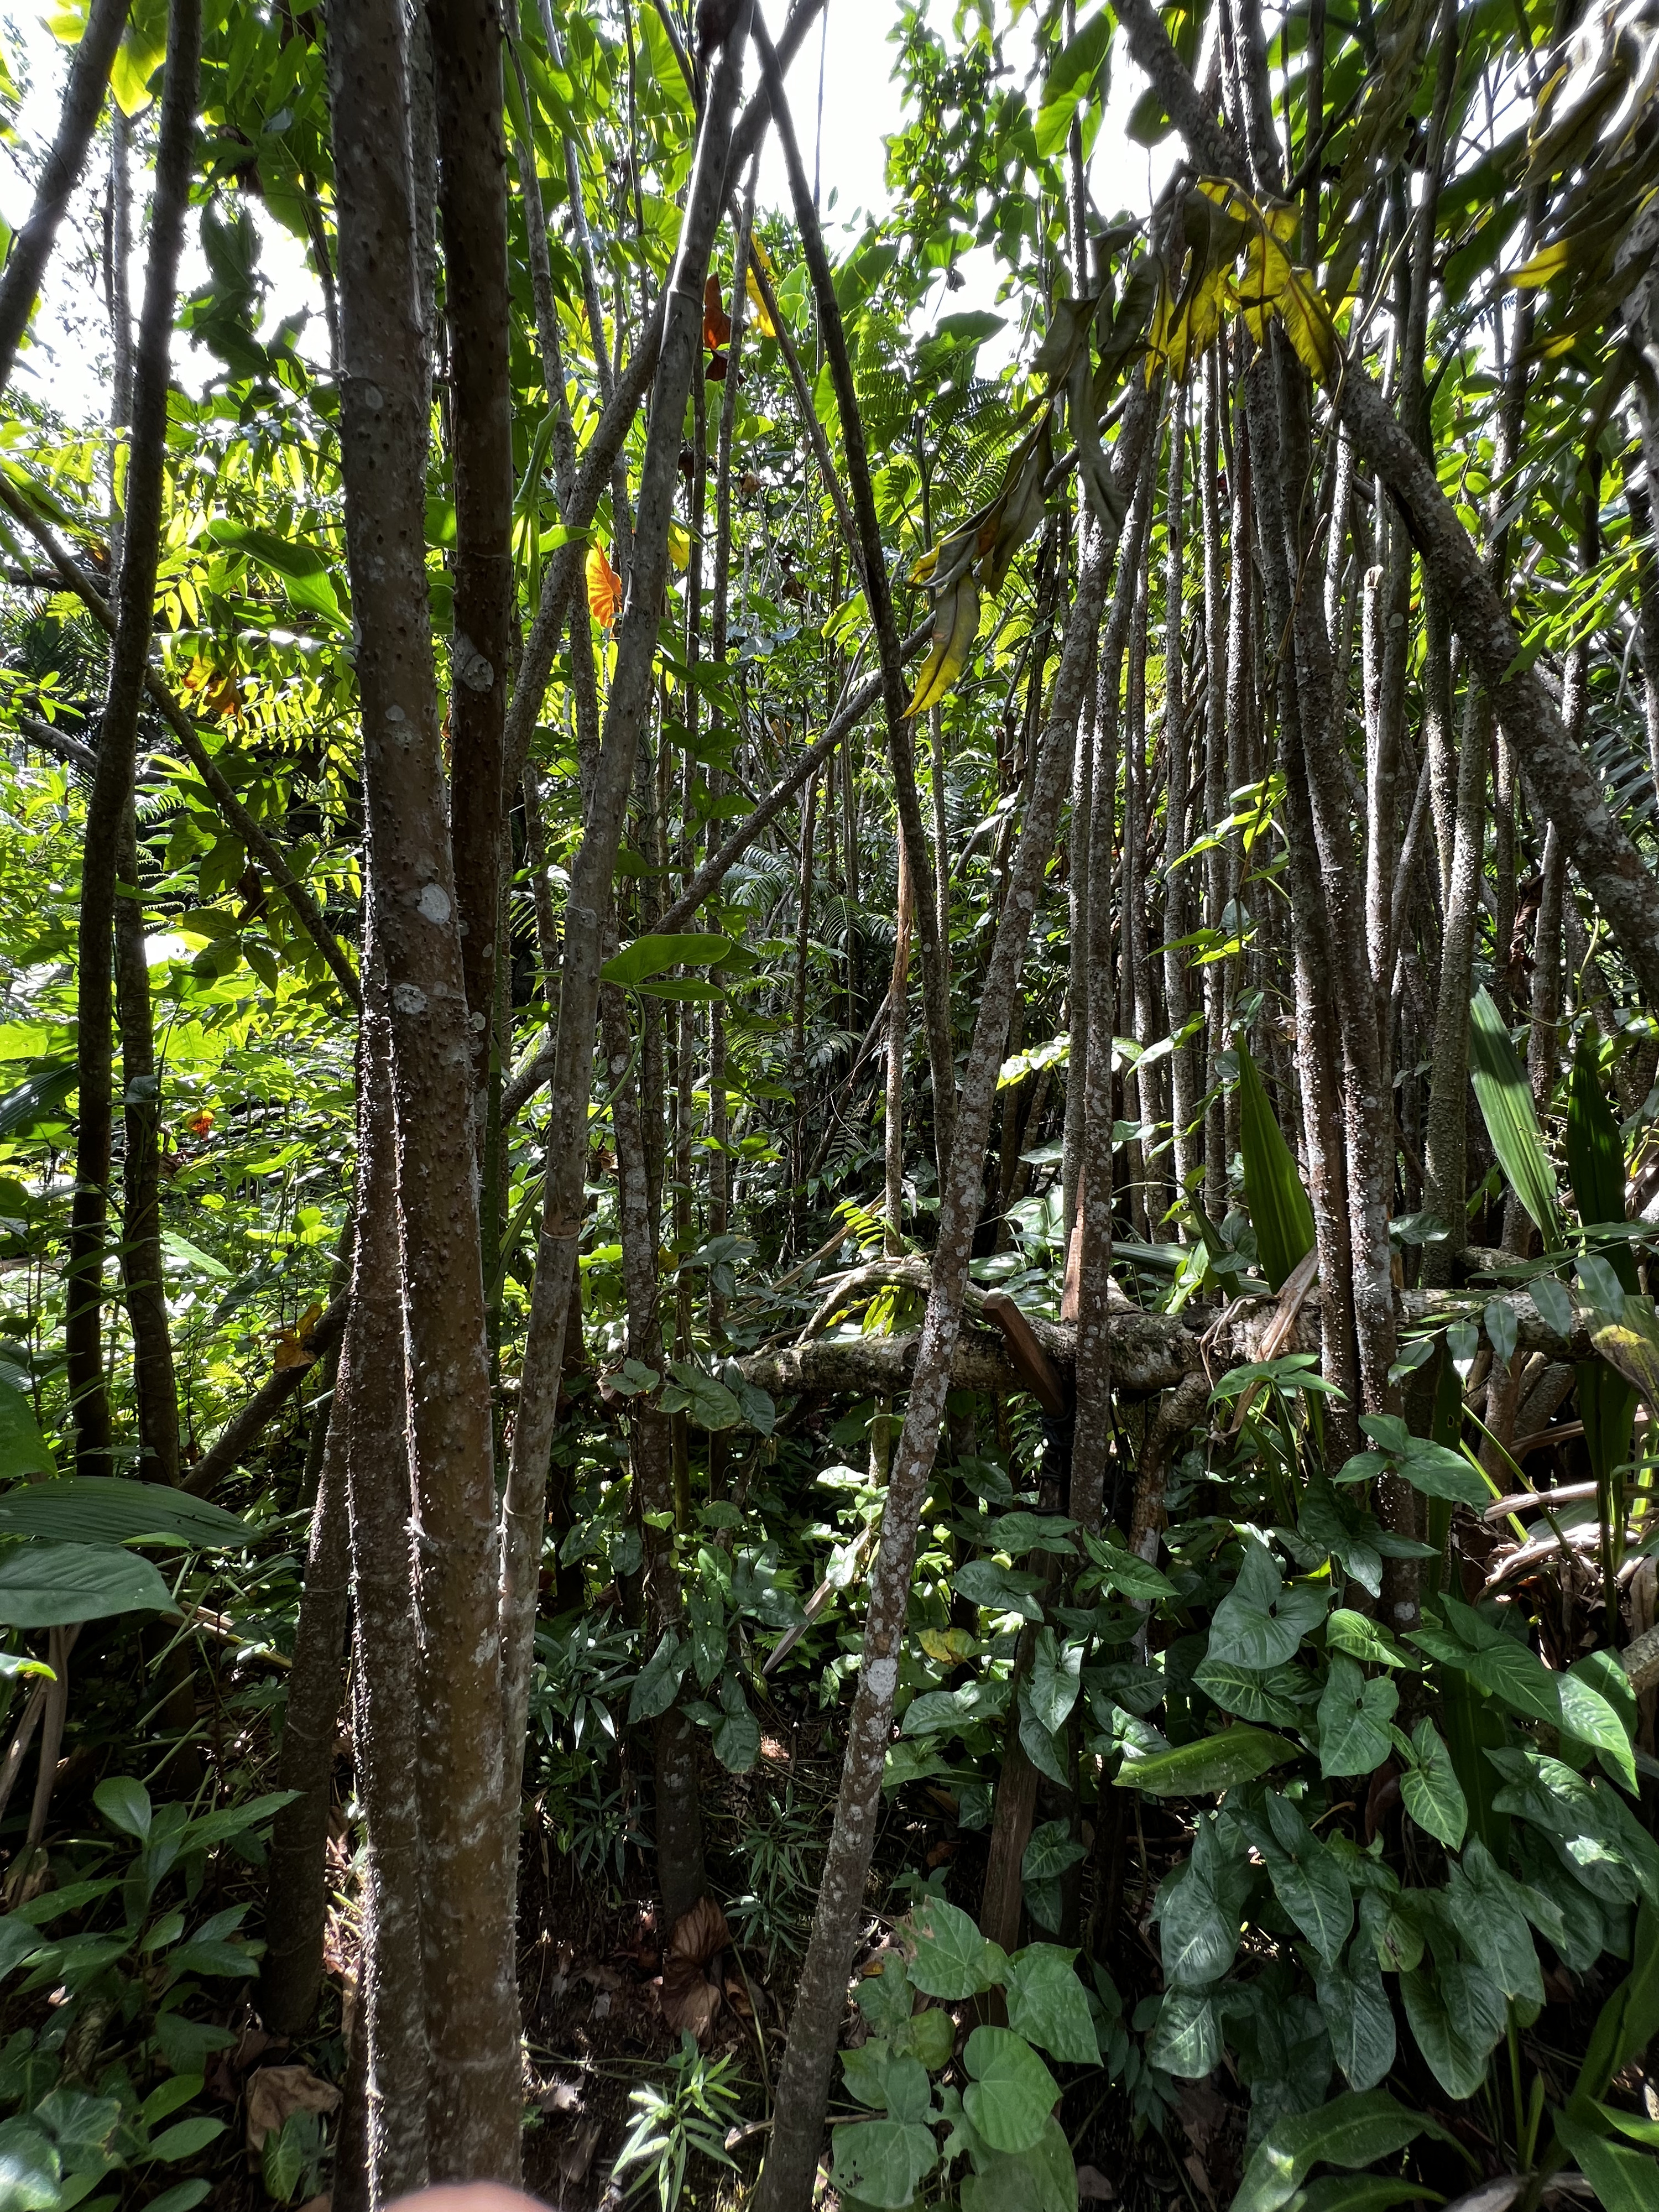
(466, 1937)
(111, 796)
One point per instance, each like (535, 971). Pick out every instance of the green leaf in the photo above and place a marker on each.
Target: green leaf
(1215, 1762)
(48, 1585)
(929, 2035)
(1280, 1207)
(1308, 1879)
(1198, 1926)
(30, 2169)
(1055, 1674)
(1485, 1905)
(1357, 2016)
(1186, 2036)
(649, 955)
(659, 1680)
(1276, 1695)
(1623, 2180)
(1048, 2005)
(1458, 2014)
(1260, 1623)
(1509, 1669)
(183, 2196)
(953, 1959)
(187, 2137)
(1430, 1789)
(1352, 2130)
(1011, 2091)
(103, 1508)
(1353, 1719)
(23, 1450)
(37, 1096)
(1075, 76)
(306, 572)
(1554, 1303)
(1117, 1570)
(1596, 1156)
(737, 1735)
(1041, 2179)
(1000, 1589)
(1504, 1096)
(124, 1803)
(1364, 1638)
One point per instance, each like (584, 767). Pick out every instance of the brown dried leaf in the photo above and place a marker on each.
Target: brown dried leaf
(275, 2092)
(699, 1934)
(689, 1999)
(1092, 2186)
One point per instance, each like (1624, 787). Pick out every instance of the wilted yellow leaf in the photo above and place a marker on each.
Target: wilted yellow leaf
(605, 587)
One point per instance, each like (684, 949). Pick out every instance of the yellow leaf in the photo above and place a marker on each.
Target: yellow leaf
(1544, 267)
(956, 625)
(763, 322)
(679, 545)
(948, 1646)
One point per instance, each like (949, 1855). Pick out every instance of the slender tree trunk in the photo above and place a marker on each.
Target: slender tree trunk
(371, 1409)
(31, 247)
(467, 1934)
(466, 50)
(111, 798)
(898, 1010)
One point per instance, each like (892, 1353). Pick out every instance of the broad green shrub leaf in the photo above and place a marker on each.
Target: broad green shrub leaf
(1353, 1719)
(1186, 2036)
(881, 2162)
(30, 2169)
(1000, 1590)
(706, 1402)
(48, 1585)
(1596, 1156)
(1041, 2179)
(1362, 1638)
(37, 1096)
(1011, 2092)
(865, 2073)
(23, 1450)
(102, 1509)
(1509, 1669)
(1215, 1762)
(736, 1734)
(929, 2035)
(1504, 1096)
(1279, 1206)
(1056, 1670)
(1052, 1849)
(232, 1820)
(1554, 1303)
(659, 1680)
(1430, 1789)
(1308, 1878)
(1198, 1927)
(184, 2195)
(1260, 1623)
(124, 1803)
(1352, 2130)
(1623, 2180)
(1458, 2014)
(1277, 1696)
(1357, 2192)
(1077, 72)
(649, 955)
(1503, 1331)
(896, 2085)
(885, 1998)
(1119, 1573)
(1359, 2017)
(952, 1958)
(1485, 1905)
(1046, 2004)
(185, 2138)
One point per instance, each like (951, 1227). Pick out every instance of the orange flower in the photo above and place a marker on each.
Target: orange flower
(605, 587)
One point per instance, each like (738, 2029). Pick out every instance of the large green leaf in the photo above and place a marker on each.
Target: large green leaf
(1009, 2092)
(1595, 1157)
(881, 2162)
(1430, 1789)
(1506, 1667)
(1357, 2015)
(1076, 70)
(1506, 1100)
(1041, 2179)
(1352, 2130)
(306, 572)
(37, 1095)
(649, 955)
(952, 1960)
(1625, 2180)
(1354, 1714)
(49, 1585)
(1048, 2005)
(1260, 1622)
(1214, 1762)
(1280, 1207)
(1456, 2012)
(107, 1509)
(23, 1450)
